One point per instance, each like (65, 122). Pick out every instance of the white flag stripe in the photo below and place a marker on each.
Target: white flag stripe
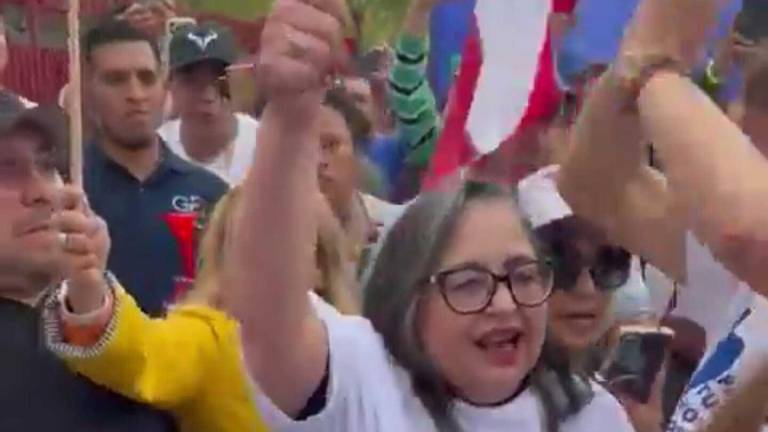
(513, 33)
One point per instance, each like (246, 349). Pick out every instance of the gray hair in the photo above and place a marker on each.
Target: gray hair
(412, 252)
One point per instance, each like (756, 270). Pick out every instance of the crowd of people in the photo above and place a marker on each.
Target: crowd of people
(282, 268)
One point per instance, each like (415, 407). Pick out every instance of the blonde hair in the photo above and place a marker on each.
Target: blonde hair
(333, 286)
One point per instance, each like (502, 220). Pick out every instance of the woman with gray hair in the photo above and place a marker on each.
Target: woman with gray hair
(456, 313)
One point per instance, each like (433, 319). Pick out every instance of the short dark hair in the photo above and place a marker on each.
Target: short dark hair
(338, 99)
(111, 30)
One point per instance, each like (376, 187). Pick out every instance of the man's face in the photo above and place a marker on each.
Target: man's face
(127, 92)
(338, 170)
(197, 92)
(360, 91)
(29, 244)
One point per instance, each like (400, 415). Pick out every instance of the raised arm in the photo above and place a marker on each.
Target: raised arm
(715, 171)
(411, 96)
(606, 179)
(716, 174)
(160, 362)
(273, 252)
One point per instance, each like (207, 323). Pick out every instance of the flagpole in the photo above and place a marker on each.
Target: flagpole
(74, 107)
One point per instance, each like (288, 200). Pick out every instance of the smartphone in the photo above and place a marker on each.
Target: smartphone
(173, 25)
(637, 359)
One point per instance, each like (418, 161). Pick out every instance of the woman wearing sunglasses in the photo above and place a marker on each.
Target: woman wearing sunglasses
(595, 286)
(587, 269)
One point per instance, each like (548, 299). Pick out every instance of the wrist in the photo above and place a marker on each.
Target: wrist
(417, 21)
(633, 73)
(83, 299)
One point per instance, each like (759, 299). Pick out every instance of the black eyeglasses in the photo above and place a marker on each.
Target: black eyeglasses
(470, 289)
(609, 268)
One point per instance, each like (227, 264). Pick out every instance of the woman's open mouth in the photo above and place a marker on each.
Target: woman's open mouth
(501, 347)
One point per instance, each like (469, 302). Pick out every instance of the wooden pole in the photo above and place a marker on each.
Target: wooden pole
(74, 107)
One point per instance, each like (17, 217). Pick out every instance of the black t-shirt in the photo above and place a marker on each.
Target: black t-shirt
(38, 393)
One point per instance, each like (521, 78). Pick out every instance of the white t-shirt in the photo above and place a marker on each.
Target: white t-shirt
(232, 166)
(368, 392)
(713, 297)
(735, 319)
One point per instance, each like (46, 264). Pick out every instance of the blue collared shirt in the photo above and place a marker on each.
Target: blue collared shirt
(145, 256)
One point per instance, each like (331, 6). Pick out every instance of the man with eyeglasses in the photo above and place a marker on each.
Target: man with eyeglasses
(39, 391)
(209, 132)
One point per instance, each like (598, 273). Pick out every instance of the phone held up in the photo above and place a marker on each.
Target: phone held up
(635, 363)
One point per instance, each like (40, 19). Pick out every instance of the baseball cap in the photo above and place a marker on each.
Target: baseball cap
(48, 121)
(204, 42)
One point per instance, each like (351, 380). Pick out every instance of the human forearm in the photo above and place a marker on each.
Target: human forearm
(275, 229)
(412, 100)
(606, 180)
(720, 178)
(132, 353)
(605, 154)
(416, 21)
(273, 262)
(278, 201)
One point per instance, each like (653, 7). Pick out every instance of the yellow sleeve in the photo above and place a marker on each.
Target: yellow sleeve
(160, 362)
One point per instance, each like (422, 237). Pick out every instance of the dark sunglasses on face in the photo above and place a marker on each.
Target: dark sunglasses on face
(609, 268)
(470, 289)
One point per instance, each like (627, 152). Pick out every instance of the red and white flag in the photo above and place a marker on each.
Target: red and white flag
(506, 82)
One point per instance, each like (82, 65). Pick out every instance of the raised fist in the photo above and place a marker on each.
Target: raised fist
(301, 43)
(677, 29)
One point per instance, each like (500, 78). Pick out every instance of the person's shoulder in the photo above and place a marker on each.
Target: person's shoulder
(170, 126)
(212, 322)
(247, 130)
(246, 120)
(169, 132)
(349, 333)
(384, 212)
(209, 183)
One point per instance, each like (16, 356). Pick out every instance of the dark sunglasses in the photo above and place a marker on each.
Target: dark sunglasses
(609, 268)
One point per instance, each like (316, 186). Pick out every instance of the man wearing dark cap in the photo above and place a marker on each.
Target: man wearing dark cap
(39, 393)
(208, 132)
(132, 179)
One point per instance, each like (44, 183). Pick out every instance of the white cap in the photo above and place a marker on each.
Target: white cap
(539, 199)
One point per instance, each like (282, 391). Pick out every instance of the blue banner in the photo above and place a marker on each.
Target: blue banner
(450, 26)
